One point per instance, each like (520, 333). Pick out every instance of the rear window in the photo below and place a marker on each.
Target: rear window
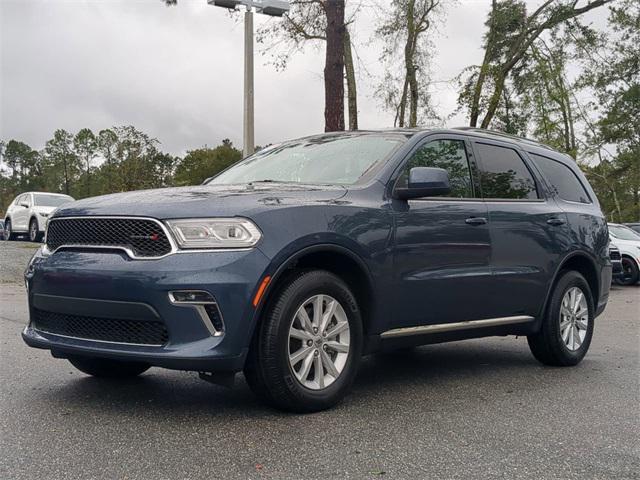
(563, 181)
(504, 174)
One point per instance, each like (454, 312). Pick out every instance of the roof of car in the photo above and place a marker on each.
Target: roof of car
(47, 193)
(478, 132)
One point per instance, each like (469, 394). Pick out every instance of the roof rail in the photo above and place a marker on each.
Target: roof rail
(495, 133)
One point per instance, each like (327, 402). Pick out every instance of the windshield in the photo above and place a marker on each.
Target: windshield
(328, 159)
(44, 200)
(623, 233)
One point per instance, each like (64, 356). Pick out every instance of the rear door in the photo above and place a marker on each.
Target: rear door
(529, 231)
(442, 245)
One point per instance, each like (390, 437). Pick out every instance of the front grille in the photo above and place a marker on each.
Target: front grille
(615, 255)
(102, 329)
(144, 237)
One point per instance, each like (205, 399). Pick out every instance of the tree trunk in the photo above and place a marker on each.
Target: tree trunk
(352, 94)
(494, 101)
(334, 66)
(484, 70)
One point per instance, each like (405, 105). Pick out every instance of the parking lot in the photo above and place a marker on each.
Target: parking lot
(474, 409)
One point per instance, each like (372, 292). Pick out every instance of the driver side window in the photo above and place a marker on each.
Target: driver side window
(450, 155)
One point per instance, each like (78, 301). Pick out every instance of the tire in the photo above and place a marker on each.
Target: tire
(563, 347)
(630, 274)
(106, 368)
(269, 370)
(34, 233)
(8, 233)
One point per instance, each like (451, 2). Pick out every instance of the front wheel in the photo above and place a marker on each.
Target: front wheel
(630, 272)
(34, 233)
(106, 368)
(307, 348)
(8, 232)
(567, 326)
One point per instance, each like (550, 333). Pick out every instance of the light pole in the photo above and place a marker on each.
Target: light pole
(274, 8)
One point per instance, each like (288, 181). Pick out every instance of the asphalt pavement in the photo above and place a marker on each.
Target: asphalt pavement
(479, 409)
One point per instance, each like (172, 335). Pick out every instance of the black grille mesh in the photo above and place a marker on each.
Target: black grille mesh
(105, 329)
(614, 255)
(144, 237)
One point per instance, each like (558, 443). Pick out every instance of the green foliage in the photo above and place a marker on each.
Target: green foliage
(117, 159)
(202, 163)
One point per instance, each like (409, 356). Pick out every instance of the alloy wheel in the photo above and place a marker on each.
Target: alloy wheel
(33, 231)
(319, 337)
(574, 318)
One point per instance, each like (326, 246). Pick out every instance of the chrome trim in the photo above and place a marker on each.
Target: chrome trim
(451, 327)
(199, 307)
(40, 332)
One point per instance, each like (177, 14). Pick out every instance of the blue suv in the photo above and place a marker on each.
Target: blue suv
(293, 263)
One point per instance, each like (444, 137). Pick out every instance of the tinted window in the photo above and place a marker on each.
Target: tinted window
(504, 174)
(449, 155)
(563, 181)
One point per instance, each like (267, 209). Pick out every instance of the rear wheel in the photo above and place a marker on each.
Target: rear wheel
(567, 327)
(106, 368)
(630, 274)
(34, 233)
(8, 232)
(307, 348)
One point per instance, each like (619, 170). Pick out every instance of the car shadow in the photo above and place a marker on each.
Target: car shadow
(432, 372)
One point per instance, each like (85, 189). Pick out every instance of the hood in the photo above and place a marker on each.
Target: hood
(203, 201)
(43, 209)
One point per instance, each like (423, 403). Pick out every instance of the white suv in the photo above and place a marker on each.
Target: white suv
(628, 241)
(28, 214)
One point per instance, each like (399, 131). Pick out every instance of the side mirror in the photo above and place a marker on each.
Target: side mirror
(24, 204)
(425, 182)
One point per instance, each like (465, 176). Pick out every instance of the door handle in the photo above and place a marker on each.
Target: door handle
(476, 221)
(555, 221)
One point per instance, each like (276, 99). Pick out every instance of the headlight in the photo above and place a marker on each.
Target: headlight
(214, 233)
(43, 214)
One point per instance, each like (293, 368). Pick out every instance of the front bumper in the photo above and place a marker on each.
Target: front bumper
(109, 285)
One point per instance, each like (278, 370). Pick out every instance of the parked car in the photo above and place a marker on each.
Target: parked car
(633, 226)
(28, 213)
(616, 262)
(293, 263)
(628, 241)
(1, 229)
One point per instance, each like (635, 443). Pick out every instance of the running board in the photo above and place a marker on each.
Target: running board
(452, 327)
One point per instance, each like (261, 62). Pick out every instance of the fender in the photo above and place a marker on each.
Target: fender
(282, 267)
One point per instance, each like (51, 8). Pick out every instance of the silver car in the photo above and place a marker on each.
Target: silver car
(28, 214)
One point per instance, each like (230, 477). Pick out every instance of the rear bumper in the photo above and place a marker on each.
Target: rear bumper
(109, 285)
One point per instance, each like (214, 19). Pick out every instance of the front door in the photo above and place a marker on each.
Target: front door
(442, 245)
(19, 218)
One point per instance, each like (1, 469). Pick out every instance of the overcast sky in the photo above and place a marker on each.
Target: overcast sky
(176, 72)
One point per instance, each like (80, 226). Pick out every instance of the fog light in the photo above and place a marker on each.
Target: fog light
(206, 306)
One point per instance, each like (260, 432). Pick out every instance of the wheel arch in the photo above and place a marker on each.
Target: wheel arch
(582, 263)
(336, 259)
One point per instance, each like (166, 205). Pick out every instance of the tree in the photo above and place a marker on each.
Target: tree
(61, 161)
(334, 66)
(511, 31)
(202, 163)
(612, 73)
(85, 145)
(406, 24)
(306, 23)
(107, 142)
